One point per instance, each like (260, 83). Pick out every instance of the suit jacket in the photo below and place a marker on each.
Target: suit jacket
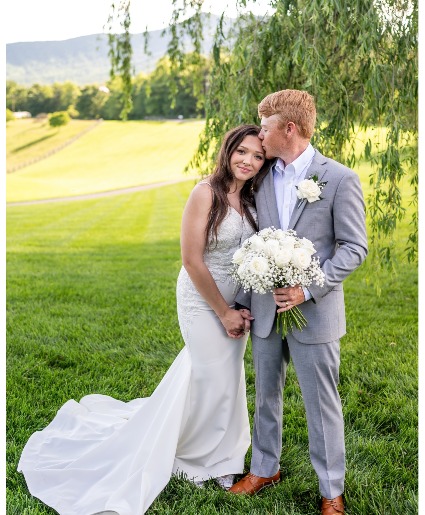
(336, 226)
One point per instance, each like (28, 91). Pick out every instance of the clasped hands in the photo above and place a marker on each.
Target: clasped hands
(238, 322)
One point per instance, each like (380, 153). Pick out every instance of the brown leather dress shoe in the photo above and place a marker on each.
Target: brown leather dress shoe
(251, 484)
(333, 506)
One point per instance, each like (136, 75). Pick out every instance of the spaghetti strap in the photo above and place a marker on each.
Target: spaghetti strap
(204, 181)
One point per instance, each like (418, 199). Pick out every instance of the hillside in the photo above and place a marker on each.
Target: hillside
(112, 155)
(84, 60)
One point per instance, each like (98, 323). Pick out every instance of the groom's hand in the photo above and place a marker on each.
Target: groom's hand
(287, 298)
(246, 314)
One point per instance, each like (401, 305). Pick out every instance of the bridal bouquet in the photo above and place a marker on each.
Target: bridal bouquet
(273, 258)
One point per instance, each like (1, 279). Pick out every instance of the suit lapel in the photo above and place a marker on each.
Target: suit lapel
(317, 167)
(270, 198)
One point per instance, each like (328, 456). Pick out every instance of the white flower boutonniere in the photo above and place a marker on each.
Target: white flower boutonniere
(310, 189)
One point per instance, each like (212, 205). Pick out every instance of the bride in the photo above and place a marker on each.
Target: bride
(102, 455)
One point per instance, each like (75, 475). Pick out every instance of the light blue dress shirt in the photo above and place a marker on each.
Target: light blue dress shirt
(286, 178)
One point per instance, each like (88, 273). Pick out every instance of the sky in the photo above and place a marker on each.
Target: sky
(55, 20)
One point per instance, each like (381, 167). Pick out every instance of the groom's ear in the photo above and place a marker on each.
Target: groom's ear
(290, 128)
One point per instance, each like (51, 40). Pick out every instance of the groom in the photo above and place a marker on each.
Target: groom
(335, 223)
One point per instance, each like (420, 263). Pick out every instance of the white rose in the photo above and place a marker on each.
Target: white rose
(259, 265)
(257, 243)
(271, 247)
(279, 234)
(288, 242)
(283, 257)
(309, 190)
(307, 245)
(239, 256)
(301, 258)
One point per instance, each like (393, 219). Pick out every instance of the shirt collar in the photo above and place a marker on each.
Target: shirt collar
(300, 164)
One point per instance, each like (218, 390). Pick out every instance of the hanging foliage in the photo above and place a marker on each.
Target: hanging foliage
(121, 51)
(359, 61)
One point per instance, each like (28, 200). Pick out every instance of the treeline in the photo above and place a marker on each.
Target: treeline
(164, 93)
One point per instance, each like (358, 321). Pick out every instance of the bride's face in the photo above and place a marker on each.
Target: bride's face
(247, 160)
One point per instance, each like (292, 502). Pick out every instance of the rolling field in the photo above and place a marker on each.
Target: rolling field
(111, 156)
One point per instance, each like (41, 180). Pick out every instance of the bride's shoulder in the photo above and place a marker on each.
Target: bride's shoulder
(203, 189)
(202, 194)
(204, 182)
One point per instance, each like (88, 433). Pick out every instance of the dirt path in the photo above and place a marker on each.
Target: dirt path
(88, 196)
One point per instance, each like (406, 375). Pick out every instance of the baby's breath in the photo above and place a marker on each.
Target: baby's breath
(255, 267)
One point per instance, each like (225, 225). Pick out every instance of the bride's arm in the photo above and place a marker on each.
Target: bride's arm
(194, 222)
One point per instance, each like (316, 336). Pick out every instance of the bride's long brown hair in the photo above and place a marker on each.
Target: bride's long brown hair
(222, 178)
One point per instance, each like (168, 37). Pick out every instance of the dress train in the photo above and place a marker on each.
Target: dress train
(102, 455)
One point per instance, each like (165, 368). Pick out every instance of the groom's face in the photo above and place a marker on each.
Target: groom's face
(273, 136)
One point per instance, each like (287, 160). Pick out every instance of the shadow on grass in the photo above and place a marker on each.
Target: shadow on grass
(32, 143)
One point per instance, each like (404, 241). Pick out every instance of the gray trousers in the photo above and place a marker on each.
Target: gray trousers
(317, 369)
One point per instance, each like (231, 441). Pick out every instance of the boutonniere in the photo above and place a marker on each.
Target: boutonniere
(310, 189)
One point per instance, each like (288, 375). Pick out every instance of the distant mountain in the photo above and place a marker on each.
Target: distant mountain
(85, 60)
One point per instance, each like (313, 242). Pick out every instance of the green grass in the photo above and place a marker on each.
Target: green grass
(30, 139)
(91, 308)
(113, 155)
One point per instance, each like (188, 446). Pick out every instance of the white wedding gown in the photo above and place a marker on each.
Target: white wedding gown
(104, 455)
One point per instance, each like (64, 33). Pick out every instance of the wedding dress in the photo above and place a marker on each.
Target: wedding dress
(102, 455)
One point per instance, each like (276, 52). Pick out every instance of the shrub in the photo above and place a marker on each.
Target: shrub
(9, 115)
(58, 119)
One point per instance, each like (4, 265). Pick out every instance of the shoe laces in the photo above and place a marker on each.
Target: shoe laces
(334, 504)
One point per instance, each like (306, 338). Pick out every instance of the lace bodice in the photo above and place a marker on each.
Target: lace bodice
(232, 232)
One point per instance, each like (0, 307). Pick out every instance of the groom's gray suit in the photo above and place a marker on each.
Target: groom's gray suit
(336, 226)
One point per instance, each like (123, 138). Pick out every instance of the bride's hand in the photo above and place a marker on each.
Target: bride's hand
(233, 322)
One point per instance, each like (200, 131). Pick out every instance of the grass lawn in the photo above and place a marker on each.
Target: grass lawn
(91, 309)
(113, 155)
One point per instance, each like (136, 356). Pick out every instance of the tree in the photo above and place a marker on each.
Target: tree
(359, 60)
(64, 95)
(91, 102)
(41, 99)
(16, 97)
(59, 119)
(163, 100)
(139, 96)
(114, 104)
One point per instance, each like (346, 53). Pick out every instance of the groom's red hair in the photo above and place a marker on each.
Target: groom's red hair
(291, 105)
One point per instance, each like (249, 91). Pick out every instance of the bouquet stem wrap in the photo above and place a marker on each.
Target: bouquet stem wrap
(287, 320)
